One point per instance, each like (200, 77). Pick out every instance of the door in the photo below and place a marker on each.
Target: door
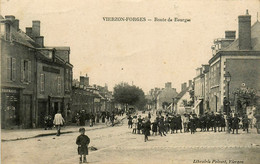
(42, 112)
(27, 108)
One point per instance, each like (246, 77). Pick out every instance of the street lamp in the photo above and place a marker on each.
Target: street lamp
(228, 79)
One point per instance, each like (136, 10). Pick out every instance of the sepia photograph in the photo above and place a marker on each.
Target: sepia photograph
(130, 81)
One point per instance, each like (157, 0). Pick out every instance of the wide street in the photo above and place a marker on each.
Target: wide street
(118, 145)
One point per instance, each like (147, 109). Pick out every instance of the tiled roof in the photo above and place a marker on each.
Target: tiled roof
(255, 39)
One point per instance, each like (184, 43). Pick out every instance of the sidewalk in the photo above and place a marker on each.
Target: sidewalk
(22, 134)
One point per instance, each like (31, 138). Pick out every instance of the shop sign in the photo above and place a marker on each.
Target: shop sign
(8, 90)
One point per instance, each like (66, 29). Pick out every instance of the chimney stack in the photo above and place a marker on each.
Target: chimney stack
(230, 35)
(10, 17)
(16, 24)
(168, 85)
(40, 41)
(36, 28)
(244, 31)
(190, 83)
(84, 80)
(28, 31)
(183, 86)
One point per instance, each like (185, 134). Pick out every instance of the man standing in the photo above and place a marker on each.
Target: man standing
(235, 123)
(58, 121)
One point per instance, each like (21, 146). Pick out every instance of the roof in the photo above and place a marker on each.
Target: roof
(255, 39)
(59, 48)
(182, 93)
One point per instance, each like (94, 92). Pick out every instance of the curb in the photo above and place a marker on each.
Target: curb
(53, 133)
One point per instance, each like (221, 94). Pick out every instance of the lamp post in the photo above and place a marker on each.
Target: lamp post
(228, 79)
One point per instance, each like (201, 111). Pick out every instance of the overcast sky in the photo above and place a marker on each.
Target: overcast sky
(148, 54)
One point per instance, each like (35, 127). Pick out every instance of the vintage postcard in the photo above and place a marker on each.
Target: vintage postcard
(130, 81)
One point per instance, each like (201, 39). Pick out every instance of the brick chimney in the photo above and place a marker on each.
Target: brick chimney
(28, 31)
(36, 28)
(39, 40)
(244, 31)
(190, 83)
(230, 35)
(168, 85)
(183, 86)
(84, 80)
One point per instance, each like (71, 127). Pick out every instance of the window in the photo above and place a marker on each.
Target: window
(26, 71)
(59, 84)
(42, 80)
(67, 79)
(11, 69)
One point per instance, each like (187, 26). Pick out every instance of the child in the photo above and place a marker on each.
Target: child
(82, 142)
(134, 121)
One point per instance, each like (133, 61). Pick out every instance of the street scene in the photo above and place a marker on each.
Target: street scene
(90, 82)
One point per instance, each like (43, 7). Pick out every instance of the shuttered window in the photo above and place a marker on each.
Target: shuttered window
(22, 70)
(29, 71)
(9, 68)
(13, 69)
(42, 80)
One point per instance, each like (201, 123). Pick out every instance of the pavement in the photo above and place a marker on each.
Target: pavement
(118, 145)
(22, 134)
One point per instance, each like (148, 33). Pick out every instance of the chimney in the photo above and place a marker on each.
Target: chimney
(84, 80)
(168, 85)
(40, 40)
(183, 86)
(230, 35)
(29, 31)
(35, 28)
(16, 24)
(10, 17)
(190, 83)
(244, 31)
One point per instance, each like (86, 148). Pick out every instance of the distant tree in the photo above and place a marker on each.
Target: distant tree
(129, 95)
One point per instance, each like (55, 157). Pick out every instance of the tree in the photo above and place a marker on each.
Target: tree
(129, 95)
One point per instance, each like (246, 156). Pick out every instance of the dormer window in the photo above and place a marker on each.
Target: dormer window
(50, 54)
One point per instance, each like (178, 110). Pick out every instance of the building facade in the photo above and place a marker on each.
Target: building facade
(240, 57)
(35, 80)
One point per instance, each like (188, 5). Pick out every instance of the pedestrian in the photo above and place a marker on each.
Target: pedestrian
(130, 121)
(245, 122)
(235, 123)
(134, 124)
(82, 142)
(147, 128)
(161, 126)
(193, 123)
(155, 127)
(139, 124)
(58, 122)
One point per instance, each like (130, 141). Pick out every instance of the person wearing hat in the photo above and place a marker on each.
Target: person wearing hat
(82, 142)
(134, 121)
(58, 121)
(245, 122)
(154, 127)
(139, 124)
(235, 123)
(146, 128)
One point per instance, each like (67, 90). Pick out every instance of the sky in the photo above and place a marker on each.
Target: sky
(147, 54)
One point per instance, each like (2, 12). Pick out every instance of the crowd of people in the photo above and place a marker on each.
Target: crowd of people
(174, 123)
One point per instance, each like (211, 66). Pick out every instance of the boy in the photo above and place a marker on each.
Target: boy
(82, 142)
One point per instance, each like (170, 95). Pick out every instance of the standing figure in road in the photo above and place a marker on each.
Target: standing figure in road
(235, 123)
(245, 122)
(155, 127)
(82, 142)
(161, 126)
(58, 122)
(149, 115)
(134, 124)
(223, 122)
(130, 121)
(192, 124)
(179, 123)
(139, 124)
(147, 128)
(185, 122)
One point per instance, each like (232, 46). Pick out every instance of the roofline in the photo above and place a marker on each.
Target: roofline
(234, 53)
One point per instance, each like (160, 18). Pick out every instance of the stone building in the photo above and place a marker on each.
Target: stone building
(165, 96)
(240, 57)
(35, 80)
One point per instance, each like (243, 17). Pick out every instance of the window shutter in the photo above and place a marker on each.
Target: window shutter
(22, 70)
(29, 71)
(13, 69)
(9, 68)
